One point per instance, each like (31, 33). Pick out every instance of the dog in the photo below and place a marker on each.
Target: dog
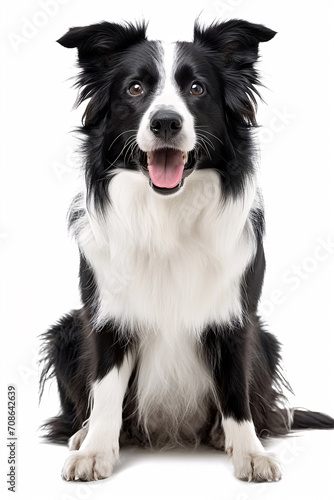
(168, 348)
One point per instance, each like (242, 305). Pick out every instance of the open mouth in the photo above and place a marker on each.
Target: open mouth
(167, 168)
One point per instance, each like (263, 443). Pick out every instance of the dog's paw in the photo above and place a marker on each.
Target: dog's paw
(77, 439)
(88, 466)
(257, 467)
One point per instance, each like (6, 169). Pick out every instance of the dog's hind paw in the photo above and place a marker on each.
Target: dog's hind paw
(77, 439)
(257, 467)
(84, 466)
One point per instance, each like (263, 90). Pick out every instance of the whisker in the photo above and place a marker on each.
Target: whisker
(130, 148)
(213, 135)
(207, 141)
(134, 145)
(122, 133)
(127, 143)
(202, 143)
(217, 138)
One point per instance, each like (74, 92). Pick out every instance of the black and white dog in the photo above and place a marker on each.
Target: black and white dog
(168, 348)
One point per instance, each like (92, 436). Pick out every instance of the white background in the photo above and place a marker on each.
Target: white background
(40, 262)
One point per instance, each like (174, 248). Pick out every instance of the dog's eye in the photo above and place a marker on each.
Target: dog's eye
(136, 89)
(197, 88)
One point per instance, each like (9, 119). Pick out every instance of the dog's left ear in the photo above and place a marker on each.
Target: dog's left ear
(235, 46)
(234, 39)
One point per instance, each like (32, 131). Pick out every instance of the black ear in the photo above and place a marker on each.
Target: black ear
(234, 37)
(235, 45)
(102, 38)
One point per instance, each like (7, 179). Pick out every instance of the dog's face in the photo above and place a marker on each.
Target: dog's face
(170, 99)
(167, 109)
(166, 131)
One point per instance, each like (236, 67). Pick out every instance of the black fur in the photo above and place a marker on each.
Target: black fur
(63, 355)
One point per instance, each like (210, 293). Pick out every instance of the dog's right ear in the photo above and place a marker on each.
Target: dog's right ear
(100, 40)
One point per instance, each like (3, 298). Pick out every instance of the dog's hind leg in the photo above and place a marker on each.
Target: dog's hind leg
(77, 439)
(62, 358)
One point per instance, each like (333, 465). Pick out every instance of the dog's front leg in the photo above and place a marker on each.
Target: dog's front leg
(99, 450)
(227, 352)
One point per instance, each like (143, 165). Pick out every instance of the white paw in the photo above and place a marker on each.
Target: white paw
(258, 467)
(77, 439)
(88, 466)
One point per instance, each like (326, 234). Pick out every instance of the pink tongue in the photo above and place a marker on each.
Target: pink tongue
(166, 167)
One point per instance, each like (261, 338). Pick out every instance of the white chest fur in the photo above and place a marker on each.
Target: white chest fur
(173, 262)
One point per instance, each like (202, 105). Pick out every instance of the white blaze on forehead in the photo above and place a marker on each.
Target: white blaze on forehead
(167, 95)
(168, 58)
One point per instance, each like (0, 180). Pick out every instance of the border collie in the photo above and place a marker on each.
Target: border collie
(168, 348)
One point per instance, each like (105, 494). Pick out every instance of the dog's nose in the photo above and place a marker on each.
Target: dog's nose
(165, 124)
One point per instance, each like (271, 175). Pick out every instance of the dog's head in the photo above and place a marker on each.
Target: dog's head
(167, 109)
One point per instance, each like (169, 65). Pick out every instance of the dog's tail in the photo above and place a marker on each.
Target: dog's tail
(61, 357)
(306, 419)
(282, 421)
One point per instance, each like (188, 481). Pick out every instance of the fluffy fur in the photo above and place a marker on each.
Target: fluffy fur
(168, 348)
